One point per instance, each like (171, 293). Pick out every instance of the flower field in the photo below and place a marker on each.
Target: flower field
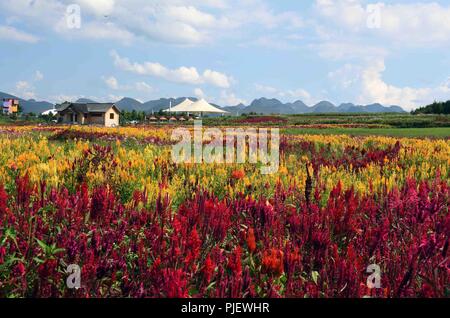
(138, 225)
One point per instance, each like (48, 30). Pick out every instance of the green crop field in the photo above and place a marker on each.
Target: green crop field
(439, 132)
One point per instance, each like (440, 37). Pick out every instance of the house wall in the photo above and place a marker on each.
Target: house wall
(92, 119)
(112, 122)
(95, 120)
(67, 118)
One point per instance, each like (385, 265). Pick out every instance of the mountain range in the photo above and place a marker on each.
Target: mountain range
(258, 106)
(30, 105)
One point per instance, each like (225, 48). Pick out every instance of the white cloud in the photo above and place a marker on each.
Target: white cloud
(181, 22)
(230, 99)
(144, 87)
(288, 94)
(38, 76)
(369, 86)
(411, 24)
(25, 90)
(216, 78)
(114, 84)
(96, 30)
(111, 82)
(299, 93)
(189, 15)
(375, 89)
(98, 7)
(199, 93)
(346, 76)
(11, 33)
(183, 74)
(57, 99)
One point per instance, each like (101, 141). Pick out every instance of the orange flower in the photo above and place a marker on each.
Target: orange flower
(251, 240)
(238, 174)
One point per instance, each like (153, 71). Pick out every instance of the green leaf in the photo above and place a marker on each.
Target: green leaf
(42, 245)
(210, 286)
(315, 276)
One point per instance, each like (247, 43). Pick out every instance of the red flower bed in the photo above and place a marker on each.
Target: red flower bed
(231, 248)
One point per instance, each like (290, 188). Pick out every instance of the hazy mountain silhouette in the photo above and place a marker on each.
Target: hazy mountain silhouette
(259, 106)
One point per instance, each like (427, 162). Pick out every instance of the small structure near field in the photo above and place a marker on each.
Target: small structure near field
(199, 107)
(10, 106)
(103, 114)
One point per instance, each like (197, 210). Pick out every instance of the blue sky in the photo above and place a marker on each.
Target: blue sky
(227, 51)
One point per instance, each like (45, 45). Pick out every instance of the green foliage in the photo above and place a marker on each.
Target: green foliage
(435, 108)
(127, 116)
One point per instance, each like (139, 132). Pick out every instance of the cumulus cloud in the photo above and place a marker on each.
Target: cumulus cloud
(412, 24)
(199, 93)
(98, 7)
(13, 34)
(375, 89)
(25, 90)
(230, 99)
(367, 82)
(144, 87)
(181, 22)
(111, 82)
(216, 78)
(183, 74)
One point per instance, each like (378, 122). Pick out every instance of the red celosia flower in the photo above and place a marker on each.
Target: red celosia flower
(3, 200)
(234, 261)
(251, 240)
(238, 174)
(2, 254)
(175, 283)
(273, 261)
(19, 270)
(208, 269)
(47, 269)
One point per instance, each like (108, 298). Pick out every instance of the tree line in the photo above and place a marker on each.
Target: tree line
(435, 108)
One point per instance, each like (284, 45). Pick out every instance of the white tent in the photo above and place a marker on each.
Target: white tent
(50, 112)
(199, 107)
(202, 106)
(182, 107)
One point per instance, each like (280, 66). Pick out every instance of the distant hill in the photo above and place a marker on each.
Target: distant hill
(235, 110)
(435, 108)
(274, 106)
(259, 106)
(129, 104)
(268, 106)
(323, 107)
(29, 106)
